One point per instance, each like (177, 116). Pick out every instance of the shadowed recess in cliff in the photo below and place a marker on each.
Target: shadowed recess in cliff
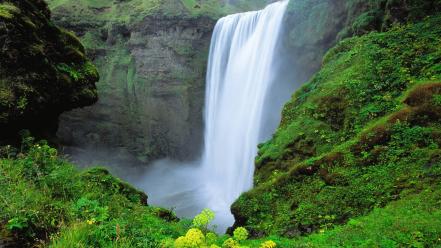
(241, 72)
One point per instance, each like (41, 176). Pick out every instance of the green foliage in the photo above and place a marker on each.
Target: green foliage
(126, 12)
(358, 136)
(230, 243)
(203, 219)
(268, 244)
(240, 234)
(437, 99)
(91, 211)
(193, 239)
(413, 221)
(7, 10)
(17, 223)
(79, 74)
(44, 196)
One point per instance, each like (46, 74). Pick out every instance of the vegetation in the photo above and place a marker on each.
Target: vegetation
(45, 198)
(361, 134)
(356, 161)
(46, 201)
(43, 72)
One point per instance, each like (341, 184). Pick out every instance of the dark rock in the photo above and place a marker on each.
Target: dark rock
(43, 71)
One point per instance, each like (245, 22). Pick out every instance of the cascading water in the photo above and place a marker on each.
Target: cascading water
(238, 79)
(239, 76)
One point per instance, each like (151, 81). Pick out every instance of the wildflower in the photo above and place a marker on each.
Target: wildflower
(202, 219)
(240, 234)
(91, 221)
(230, 243)
(193, 239)
(268, 244)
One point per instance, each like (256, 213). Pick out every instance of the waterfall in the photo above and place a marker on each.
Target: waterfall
(239, 76)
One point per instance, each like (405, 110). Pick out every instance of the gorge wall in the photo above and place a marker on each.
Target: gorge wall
(151, 90)
(152, 57)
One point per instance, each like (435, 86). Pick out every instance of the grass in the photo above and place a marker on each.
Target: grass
(351, 140)
(45, 198)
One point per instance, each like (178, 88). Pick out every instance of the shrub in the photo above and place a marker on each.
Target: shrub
(230, 243)
(203, 219)
(240, 234)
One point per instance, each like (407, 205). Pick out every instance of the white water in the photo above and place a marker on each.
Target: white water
(239, 76)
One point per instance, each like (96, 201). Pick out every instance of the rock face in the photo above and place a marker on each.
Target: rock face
(43, 71)
(151, 91)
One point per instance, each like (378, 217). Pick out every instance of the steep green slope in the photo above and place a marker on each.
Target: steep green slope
(413, 221)
(43, 70)
(353, 138)
(312, 27)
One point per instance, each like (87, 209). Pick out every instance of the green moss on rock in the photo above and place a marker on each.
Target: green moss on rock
(43, 70)
(357, 136)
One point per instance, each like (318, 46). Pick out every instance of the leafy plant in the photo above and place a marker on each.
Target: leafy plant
(203, 219)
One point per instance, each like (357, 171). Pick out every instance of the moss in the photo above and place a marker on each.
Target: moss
(101, 178)
(411, 221)
(8, 10)
(35, 87)
(370, 130)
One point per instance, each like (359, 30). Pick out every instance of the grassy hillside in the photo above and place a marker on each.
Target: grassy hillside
(362, 133)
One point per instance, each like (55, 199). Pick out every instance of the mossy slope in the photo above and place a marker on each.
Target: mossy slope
(362, 133)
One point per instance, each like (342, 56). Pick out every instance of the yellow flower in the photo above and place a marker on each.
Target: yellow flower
(240, 233)
(204, 218)
(230, 243)
(193, 239)
(268, 244)
(91, 221)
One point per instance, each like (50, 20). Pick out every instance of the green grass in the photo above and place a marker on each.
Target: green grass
(45, 198)
(350, 140)
(414, 221)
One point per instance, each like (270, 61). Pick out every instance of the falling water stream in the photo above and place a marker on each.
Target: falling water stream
(240, 74)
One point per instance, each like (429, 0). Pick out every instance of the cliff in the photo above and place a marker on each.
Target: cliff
(152, 57)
